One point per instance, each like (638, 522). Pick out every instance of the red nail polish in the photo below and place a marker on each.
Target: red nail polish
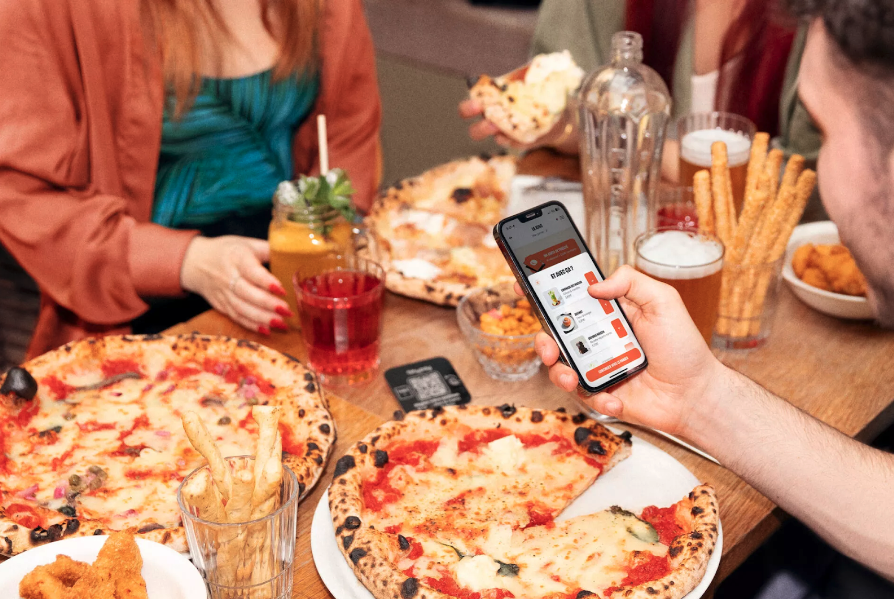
(284, 312)
(277, 323)
(277, 289)
(263, 330)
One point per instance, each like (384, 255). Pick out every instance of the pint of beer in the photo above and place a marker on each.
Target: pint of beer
(689, 261)
(698, 131)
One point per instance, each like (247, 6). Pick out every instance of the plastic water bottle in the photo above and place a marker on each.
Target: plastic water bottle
(624, 108)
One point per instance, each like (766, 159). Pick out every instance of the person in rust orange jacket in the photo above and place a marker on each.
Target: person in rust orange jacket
(137, 137)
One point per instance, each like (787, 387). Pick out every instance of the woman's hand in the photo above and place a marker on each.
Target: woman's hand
(562, 137)
(228, 272)
(682, 378)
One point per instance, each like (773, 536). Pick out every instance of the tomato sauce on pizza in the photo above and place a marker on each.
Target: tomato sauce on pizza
(100, 445)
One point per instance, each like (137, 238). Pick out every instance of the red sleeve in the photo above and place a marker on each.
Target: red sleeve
(78, 242)
(349, 97)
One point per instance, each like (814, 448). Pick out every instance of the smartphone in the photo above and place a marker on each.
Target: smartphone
(554, 267)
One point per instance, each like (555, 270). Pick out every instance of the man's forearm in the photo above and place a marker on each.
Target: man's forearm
(842, 489)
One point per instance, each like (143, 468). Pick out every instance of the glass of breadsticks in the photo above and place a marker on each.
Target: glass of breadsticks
(240, 514)
(755, 240)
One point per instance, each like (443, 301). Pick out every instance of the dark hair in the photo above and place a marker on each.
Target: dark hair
(759, 37)
(863, 32)
(863, 29)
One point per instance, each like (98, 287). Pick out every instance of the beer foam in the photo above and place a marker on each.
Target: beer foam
(695, 147)
(679, 255)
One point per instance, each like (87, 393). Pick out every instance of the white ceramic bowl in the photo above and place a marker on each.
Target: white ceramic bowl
(834, 304)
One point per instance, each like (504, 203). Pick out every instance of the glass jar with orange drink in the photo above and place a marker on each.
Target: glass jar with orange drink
(302, 236)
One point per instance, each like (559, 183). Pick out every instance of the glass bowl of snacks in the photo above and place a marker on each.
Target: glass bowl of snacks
(500, 327)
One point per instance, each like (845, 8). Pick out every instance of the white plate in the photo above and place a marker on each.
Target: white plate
(168, 574)
(648, 477)
(834, 304)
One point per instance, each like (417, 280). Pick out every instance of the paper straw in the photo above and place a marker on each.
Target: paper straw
(324, 147)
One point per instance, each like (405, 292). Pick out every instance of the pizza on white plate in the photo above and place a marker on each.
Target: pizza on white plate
(433, 233)
(462, 503)
(91, 439)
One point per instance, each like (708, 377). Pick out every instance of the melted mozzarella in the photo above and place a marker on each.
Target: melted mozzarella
(417, 268)
(138, 489)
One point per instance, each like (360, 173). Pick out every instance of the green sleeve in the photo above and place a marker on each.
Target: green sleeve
(583, 27)
(797, 133)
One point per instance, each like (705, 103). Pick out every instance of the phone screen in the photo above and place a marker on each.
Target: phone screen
(594, 334)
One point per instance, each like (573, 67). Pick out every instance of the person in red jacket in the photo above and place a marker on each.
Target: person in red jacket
(138, 136)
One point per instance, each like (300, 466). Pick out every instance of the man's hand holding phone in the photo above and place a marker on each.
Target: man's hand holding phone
(682, 374)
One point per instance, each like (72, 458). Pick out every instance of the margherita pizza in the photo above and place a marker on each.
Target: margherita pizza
(461, 503)
(91, 438)
(432, 233)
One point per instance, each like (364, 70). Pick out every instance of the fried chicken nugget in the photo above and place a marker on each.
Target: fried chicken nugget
(120, 556)
(97, 582)
(817, 278)
(848, 280)
(52, 581)
(801, 259)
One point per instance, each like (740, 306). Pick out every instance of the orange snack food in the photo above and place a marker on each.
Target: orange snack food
(829, 267)
(510, 320)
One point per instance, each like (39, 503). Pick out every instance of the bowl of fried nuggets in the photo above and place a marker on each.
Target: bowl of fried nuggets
(822, 273)
(108, 567)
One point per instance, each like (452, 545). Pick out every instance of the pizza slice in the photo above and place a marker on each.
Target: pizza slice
(612, 553)
(528, 102)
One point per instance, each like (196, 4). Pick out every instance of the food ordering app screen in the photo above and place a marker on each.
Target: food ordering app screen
(594, 333)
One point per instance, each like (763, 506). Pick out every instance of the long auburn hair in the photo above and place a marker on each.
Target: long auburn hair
(185, 33)
(759, 37)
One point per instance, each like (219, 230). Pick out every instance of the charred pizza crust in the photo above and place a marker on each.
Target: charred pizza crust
(464, 200)
(372, 553)
(305, 415)
(688, 554)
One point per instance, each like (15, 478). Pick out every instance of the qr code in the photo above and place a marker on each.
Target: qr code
(428, 385)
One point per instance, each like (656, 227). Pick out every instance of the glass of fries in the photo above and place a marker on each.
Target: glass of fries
(242, 560)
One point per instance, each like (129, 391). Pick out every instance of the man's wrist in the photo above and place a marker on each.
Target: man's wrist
(710, 413)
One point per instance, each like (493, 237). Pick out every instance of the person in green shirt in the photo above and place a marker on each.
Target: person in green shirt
(738, 57)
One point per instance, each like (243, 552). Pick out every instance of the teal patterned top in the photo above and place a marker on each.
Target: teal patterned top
(226, 155)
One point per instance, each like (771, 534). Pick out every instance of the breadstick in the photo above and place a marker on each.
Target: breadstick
(200, 493)
(722, 190)
(200, 439)
(268, 483)
(803, 190)
(764, 240)
(267, 418)
(701, 183)
(239, 506)
(756, 163)
(772, 168)
(733, 290)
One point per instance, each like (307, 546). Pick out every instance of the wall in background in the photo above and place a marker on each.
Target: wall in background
(425, 51)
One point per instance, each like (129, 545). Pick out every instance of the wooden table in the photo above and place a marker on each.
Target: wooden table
(838, 371)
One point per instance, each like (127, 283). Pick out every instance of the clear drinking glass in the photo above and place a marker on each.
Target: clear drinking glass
(746, 316)
(698, 130)
(691, 262)
(675, 208)
(248, 560)
(341, 318)
(624, 110)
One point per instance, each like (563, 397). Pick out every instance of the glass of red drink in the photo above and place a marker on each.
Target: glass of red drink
(676, 208)
(340, 310)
